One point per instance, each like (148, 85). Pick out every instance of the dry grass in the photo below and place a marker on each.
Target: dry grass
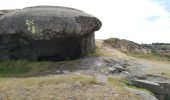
(108, 51)
(26, 69)
(159, 68)
(61, 87)
(158, 65)
(67, 86)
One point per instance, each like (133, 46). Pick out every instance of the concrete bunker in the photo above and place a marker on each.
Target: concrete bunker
(47, 33)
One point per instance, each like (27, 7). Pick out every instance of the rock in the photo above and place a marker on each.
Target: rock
(161, 49)
(166, 86)
(144, 95)
(62, 71)
(1, 13)
(101, 78)
(160, 89)
(65, 72)
(112, 69)
(47, 33)
(120, 68)
(151, 86)
(116, 69)
(77, 85)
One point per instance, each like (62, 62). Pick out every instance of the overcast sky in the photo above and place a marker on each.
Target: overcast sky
(142, 21)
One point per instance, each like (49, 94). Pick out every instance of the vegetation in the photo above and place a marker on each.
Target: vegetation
(21, 74)
(142, 89)
(155, 51)
(61, 87)
(121, 82)
(149, 56)
(165, 74)
(25, 68)
(98, 51)
(118, 81)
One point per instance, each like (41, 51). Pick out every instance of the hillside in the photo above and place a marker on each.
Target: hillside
(103, 75)
(159, 51)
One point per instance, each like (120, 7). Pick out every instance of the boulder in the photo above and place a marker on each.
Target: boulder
(151, 86)
(1, 13)
(144, 95)
(47, 33)
(166, 86)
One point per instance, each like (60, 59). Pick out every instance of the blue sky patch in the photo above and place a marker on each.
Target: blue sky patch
(153, 18)
(164, 3)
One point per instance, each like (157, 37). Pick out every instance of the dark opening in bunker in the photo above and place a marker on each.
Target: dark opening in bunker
(55, 57)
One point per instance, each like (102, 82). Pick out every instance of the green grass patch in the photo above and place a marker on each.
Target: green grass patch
(142, 89)
(98, 52)
(121, 82)
(9, 68)
(23, 68)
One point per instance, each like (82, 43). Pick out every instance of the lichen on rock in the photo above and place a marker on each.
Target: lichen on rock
(47, 33)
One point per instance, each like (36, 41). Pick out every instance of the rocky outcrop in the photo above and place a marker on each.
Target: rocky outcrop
(127, 46)
(144, 95)
(166, 86)
(160, 89)
(158, 49)
(151, 86)
(1, 13)
(47, 33)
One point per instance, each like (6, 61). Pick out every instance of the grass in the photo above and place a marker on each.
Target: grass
(54, 86)
(157, 68)
(98, 51)
(47, 87)
(83, 80)
(142, 89)
(9, 68)
(121, 83)
(61, 87)
(107, 51)
(118, 81)
(146, 56)
(165, 74)
(44, 87)
(24, 68)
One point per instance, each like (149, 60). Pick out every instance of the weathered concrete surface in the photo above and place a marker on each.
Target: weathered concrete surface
(151, 86)
(47, 22)
(47, 33)
(144, 95)
(1, 13)
(166, 87)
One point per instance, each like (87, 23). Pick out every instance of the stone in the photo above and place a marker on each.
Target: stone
(1, 13)
(112, 69)
(47, 33)
(151, 86)
(144, 95)
(101, 78)
(120, 68)
(166, 86)
(116, 69)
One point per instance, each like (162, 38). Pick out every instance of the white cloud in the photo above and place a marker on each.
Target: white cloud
(121, 18)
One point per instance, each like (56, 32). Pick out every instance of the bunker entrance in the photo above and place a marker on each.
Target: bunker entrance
(55, 57)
